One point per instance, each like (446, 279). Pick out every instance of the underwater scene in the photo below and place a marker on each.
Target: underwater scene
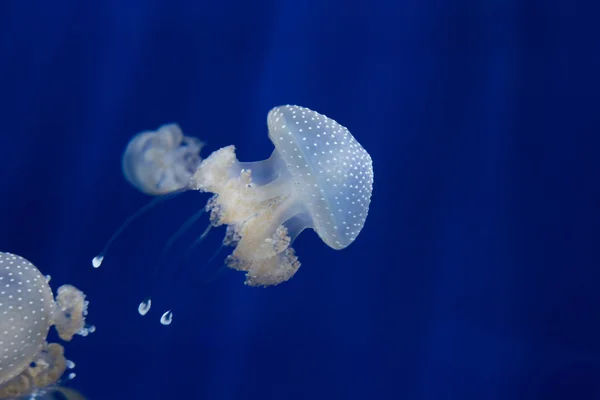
(299, 200)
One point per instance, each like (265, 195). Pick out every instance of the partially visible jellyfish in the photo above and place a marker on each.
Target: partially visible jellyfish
(27, 310)
(162, 161)
(317, 177)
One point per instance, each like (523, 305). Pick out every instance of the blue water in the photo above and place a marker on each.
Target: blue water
(476, 275)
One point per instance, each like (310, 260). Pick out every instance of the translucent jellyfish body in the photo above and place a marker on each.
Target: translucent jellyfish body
(27, 310)
(317, 177)
(162, 161)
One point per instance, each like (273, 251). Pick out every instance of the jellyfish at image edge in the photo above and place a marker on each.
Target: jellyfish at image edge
(317, 177)
(162, 161)
(27, 310)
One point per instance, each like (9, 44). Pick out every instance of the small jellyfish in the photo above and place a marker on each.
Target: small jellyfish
(162, 161)
(318, 177)
(27, 310)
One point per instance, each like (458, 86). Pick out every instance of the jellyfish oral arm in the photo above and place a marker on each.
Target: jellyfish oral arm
(262, 209)
(70, 312)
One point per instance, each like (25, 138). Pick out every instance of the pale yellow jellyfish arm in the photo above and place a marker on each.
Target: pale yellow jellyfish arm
(46, 369)
(70, 312)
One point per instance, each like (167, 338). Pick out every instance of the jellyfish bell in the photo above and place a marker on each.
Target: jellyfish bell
(162, 161)
(27, 311)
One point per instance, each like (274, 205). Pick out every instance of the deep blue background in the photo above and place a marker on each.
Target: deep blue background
(477, 273)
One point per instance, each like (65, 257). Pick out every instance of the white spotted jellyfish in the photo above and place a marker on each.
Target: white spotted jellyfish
(162, 161)
(27, 310)
(317, 177)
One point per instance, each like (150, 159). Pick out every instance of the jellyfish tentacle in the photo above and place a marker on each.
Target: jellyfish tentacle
(188, 253)
(97, 261)
(175, 236)
(212, 277)
(160, 264)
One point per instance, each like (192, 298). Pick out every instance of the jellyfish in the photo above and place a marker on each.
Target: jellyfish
(27, 310)
(318, 177)
(162, 161)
